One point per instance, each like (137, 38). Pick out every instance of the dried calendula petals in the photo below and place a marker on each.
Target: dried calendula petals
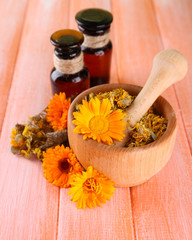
(148, 129)
(124, 103)
(119, 98)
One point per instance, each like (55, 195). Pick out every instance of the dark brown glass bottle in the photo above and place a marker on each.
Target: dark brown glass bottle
(69, 74)
(95, 23)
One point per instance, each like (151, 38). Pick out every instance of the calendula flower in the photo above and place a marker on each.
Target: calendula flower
(95, 120)
(57, 111)
(91, 188)
(60, 165)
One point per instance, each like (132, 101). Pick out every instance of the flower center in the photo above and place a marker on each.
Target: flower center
(99, 124)
(64, 165)
(91, 185)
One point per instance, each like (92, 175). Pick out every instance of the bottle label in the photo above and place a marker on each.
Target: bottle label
(69, 66)
(96, 41)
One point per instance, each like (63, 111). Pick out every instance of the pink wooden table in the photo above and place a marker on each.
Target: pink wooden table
(30, 207)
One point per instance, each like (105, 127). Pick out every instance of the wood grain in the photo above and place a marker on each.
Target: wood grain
(158, 206)
(35, 210)
(181, 19)
(11, 25)
(29, 204)
(136, 40)
(111, 221)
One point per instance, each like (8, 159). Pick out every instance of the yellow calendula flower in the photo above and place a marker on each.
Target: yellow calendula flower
(60, 165)
(90, 189)
(95, 120)
(57, 111)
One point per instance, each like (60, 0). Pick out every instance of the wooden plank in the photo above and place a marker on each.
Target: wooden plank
(111, 221)
(162, 206)
(29, 204)
(179, 37)
(114, 219)
(12, 18)
(136, 38)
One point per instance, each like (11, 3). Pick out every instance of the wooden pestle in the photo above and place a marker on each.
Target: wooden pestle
(169, 67)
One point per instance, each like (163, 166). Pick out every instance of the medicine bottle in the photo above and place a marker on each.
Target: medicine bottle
(95, 23)
(69, 74)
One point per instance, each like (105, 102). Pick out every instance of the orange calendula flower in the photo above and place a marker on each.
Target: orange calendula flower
(90, 189)
(57, 111)
(95, 120)
(60, 165)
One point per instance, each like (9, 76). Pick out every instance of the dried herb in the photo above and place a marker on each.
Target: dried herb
(35, 137)
(119, 98)
(148, 129)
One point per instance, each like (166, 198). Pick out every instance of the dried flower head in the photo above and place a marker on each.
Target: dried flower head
(119, 98)
(27, 139)
(17, 139)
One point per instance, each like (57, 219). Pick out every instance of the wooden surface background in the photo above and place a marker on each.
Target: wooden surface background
(30, 207)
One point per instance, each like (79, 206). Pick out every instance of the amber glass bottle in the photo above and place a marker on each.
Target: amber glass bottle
(95, 23)
(69, 74)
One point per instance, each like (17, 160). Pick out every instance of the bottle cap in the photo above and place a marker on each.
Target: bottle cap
(94, 17)
(67, 38)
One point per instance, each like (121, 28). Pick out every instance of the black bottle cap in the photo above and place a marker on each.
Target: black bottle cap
(94, 17)
(67, 38)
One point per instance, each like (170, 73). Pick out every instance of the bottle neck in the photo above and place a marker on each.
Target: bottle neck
(68, 53)
(94, 31)
(69, 66)
(96, 41)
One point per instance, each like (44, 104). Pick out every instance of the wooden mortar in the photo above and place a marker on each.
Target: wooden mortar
(132, 166)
